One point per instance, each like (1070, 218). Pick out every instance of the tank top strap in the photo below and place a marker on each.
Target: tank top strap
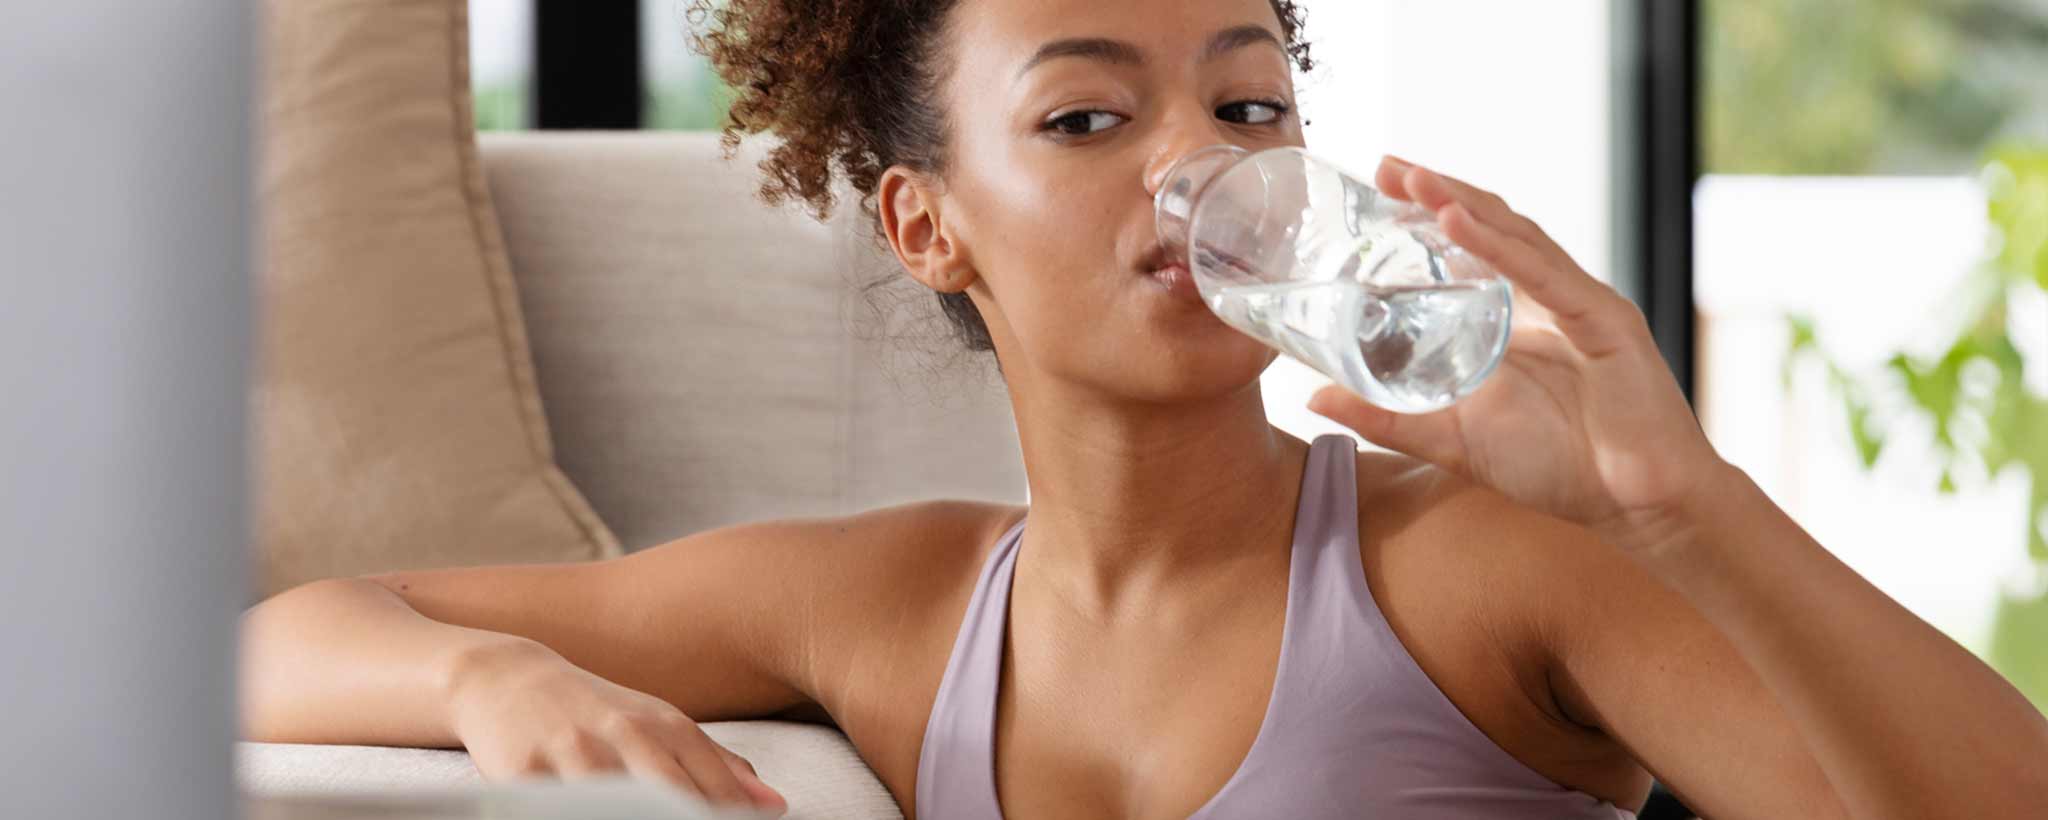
(1354, 727)
(959, 736)
(1326, 525)
(1331, 626)
(1326, 593)
(1356, 715)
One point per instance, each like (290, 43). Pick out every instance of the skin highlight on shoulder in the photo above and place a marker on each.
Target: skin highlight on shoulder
(1473, 585)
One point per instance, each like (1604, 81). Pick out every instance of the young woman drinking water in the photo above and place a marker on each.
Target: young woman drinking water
(1557, 590)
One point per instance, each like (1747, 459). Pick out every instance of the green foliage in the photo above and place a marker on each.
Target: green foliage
(699, 104)
(1855, 397)
(2019, 207)
(2014, 421)
(500, 107)
(1868, 86)
(2019, 627)
(1980, 429)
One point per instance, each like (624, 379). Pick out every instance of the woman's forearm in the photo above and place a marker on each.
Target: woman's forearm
(1905, 722)
(348, 661)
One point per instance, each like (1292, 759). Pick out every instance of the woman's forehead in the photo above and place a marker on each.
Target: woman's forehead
(1003, 36)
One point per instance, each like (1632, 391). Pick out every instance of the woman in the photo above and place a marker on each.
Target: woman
(1560, 589)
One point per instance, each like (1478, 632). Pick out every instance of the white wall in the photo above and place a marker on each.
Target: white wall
(500, 42)
(1506, 94)
(1515, 96)
(1876, 261)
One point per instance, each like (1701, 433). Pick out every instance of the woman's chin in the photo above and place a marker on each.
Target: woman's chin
(1179, 350)
(1211, 364)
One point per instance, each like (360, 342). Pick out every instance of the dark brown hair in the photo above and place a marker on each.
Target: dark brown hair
(845, 85)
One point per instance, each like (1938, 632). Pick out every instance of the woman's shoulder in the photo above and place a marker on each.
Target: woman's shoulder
(1421, 529)
(1448, 514)
(1457, 567)
(1471, 547)
(910, 553)
(900, 574)
(935, 530)
(1469, 582)
(886, 603)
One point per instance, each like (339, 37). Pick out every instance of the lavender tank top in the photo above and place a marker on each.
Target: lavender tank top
(1353, 729)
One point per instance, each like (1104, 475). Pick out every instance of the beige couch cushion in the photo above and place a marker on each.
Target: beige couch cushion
(815, 768)
(707, 360)
(397, 421)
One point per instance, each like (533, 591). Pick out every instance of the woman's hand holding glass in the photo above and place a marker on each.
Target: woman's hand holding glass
(1583, 419)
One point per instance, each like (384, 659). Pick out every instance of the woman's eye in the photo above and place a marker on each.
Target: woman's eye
(1252, 112)
(1083, 123)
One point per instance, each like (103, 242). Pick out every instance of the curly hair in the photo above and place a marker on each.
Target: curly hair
(841, 84)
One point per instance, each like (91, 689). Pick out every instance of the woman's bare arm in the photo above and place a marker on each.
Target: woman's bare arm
(1628, 657)
(1583, 421)
(349, 661)
(1774, 682)
(1903, 721)
(721, 624)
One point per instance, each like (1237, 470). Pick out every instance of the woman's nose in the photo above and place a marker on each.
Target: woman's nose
(1164, 159)
(1179, 142)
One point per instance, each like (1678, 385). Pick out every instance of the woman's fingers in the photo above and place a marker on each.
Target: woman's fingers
(581, 755)
(1432, 437)
(751, 780)
(1391, 178)
(646, 758)
(1594, 316)
(1433, 191)
(1591, 314)
(700, 756)
(680, 755)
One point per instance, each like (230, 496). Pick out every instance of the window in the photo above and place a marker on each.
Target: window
(1368, 97)
(501, 62)
(678, 89)
(683, 93)
(1846, 148)
(1539, 135)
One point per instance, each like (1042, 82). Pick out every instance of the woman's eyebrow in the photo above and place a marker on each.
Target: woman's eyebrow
(1237, 37)
(1124, 53)
(1093, 48)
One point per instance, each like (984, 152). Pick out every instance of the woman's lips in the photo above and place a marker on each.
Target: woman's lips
(1178, 282)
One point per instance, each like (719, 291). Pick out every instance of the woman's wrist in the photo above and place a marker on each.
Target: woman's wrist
(1728, 514)
(1722, 503)
(487, 658)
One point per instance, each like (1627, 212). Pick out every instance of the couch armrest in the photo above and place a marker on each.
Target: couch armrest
(815, 767)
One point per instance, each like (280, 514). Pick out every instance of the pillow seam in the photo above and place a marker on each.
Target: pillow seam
(514, 351)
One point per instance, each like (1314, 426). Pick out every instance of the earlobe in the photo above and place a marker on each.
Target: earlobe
(913, 223)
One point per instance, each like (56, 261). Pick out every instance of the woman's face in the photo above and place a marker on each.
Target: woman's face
(1063, 116)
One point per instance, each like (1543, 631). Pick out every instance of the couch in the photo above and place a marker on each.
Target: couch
(703, 360)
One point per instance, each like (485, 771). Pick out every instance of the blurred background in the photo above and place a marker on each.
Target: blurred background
(1833, 211)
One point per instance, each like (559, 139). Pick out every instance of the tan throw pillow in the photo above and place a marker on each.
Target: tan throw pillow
(397, 422)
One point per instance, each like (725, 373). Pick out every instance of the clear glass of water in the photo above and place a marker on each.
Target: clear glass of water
(1321, 266)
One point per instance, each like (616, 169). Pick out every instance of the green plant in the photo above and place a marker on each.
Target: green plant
(500, 107)
(695, 103)
(1867, 86)
(1984, 419)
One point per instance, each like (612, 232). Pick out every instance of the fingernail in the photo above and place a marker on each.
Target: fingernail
(764, 791)
(1402, 163)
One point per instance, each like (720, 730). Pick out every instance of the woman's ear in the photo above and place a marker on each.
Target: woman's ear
(916, 228)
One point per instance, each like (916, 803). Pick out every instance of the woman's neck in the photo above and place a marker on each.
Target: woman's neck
(1131, 503)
